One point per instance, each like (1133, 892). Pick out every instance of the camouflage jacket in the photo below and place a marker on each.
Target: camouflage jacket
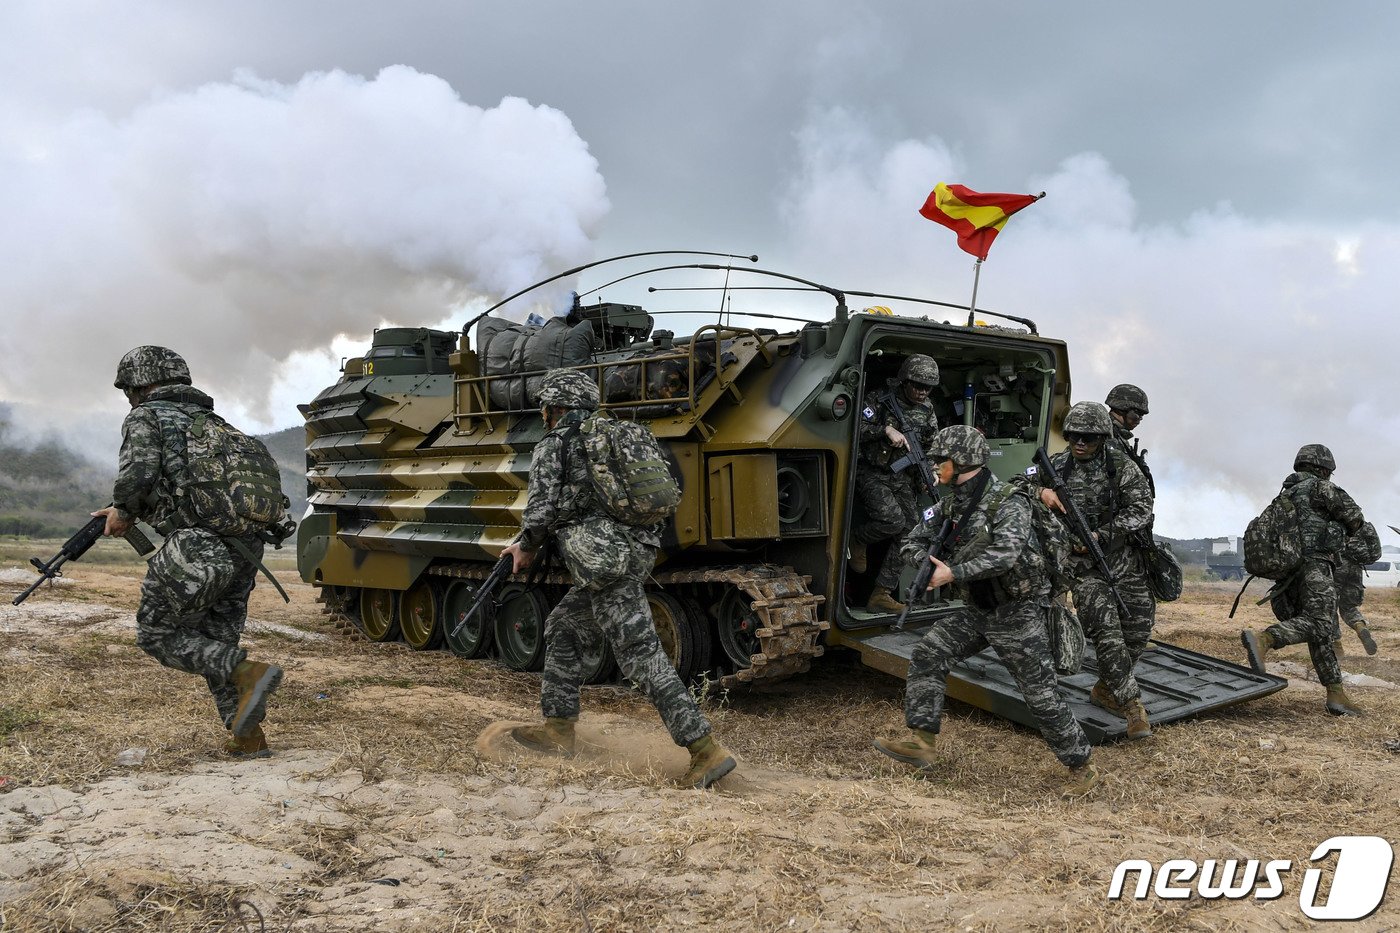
(151, 467)
(994, 557)
(1326, 514)
(561, 492)
(1111, 492)
(876, 414)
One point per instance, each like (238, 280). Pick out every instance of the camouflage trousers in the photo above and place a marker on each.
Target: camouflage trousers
(1351, 592)
(616, 612)
(1118, 642)
(1307, 613)
(1017, 631)
(891, 511)
(194, 602)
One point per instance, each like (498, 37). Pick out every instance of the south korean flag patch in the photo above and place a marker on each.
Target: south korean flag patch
(928, 513)
(868, 412)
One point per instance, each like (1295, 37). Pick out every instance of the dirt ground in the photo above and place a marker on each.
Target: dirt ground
(393, 803)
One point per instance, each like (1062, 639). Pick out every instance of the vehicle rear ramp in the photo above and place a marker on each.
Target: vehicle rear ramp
(1176, 683)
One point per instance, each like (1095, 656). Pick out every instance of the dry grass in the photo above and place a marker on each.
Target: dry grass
(817, 833)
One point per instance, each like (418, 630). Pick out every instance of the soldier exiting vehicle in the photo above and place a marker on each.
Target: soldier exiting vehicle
(1306, 602)
(1117, 503)
(609, 562)
(995, 568)
(194, 600)
(890, 499)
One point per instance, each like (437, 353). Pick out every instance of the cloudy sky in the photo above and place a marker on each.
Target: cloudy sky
(261, 183)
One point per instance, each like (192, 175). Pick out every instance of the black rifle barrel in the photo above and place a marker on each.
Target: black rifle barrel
(75, 547)
(915, 451)
(1080, 526)
(919, 586)
(504, 567)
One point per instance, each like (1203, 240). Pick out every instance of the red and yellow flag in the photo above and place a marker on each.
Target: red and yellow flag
(975, 218)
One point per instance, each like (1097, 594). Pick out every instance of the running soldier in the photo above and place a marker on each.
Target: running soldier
(996, 569)
(194, 600)
(609, 563)
(1349, 577)
(1114, 496)
(890, 499)
(1306, 605)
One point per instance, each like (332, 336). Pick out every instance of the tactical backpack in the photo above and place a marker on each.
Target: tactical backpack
(1273, 542)
(1053, 536)
(235, 486)
(628, 471)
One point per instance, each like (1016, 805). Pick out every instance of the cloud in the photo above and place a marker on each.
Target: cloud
(1251, 337)
(249, 221)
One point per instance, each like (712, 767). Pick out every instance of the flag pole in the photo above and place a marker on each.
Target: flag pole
(972, 305)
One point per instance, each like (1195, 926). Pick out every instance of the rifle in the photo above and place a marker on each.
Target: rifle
(78, 545)
(920, 584)
(914, 455)
(1080, 526)
(504, 567)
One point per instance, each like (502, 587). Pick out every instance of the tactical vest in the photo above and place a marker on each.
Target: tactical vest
(1025, 580)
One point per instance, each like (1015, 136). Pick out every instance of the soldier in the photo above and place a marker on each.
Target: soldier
(1307, 603)
(1351, 592)
(1127, 404)
(609, 563)
(1114, 496)
(890, 499)
(996, 569)
(194, 600)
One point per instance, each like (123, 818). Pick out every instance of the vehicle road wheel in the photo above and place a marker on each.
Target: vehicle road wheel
(520, 627)
(684, 632)
(474, 639)
(420, 615)
(379, 614)
(737, 625)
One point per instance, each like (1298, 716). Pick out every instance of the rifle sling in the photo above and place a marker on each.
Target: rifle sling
(248, 555)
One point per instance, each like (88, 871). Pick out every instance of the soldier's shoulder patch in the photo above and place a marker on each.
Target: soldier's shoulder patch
(929, 512)
(1032, 470)
(868, 413)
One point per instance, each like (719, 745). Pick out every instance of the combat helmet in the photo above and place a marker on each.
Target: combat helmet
(1315, 455)
(569, 388)
(919, 368)
(1124, 397)
(1088, 418)
(149, 365)
(962, 444)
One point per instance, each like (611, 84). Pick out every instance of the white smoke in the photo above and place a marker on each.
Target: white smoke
(1251, 338)
(248, 224)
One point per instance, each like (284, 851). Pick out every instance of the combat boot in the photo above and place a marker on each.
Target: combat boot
(1256, 646)
(1082, 779)
(1339, 704)
(917, 751)
(708, 763)
(255, 682)
(1138, 726)
(1103, 698)
(554, 736)
(1363, 632)
(858, 560)
(252, 745)
(882, 600)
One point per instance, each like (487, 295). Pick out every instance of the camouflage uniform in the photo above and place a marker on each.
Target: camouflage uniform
(1307, 606)
(999, 575)
(194, 600)
(1116, 501)
(1350, 581)
(609, 563)
(890, 500)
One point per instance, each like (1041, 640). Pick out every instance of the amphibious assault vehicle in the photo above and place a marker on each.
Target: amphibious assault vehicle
(418, 461)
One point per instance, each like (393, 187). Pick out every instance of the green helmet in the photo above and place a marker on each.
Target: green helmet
(149, 365)
(1315, 455)
(569, 388)
(919, 368)
(963, 445)
(1125, 396)
(1088, 418)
